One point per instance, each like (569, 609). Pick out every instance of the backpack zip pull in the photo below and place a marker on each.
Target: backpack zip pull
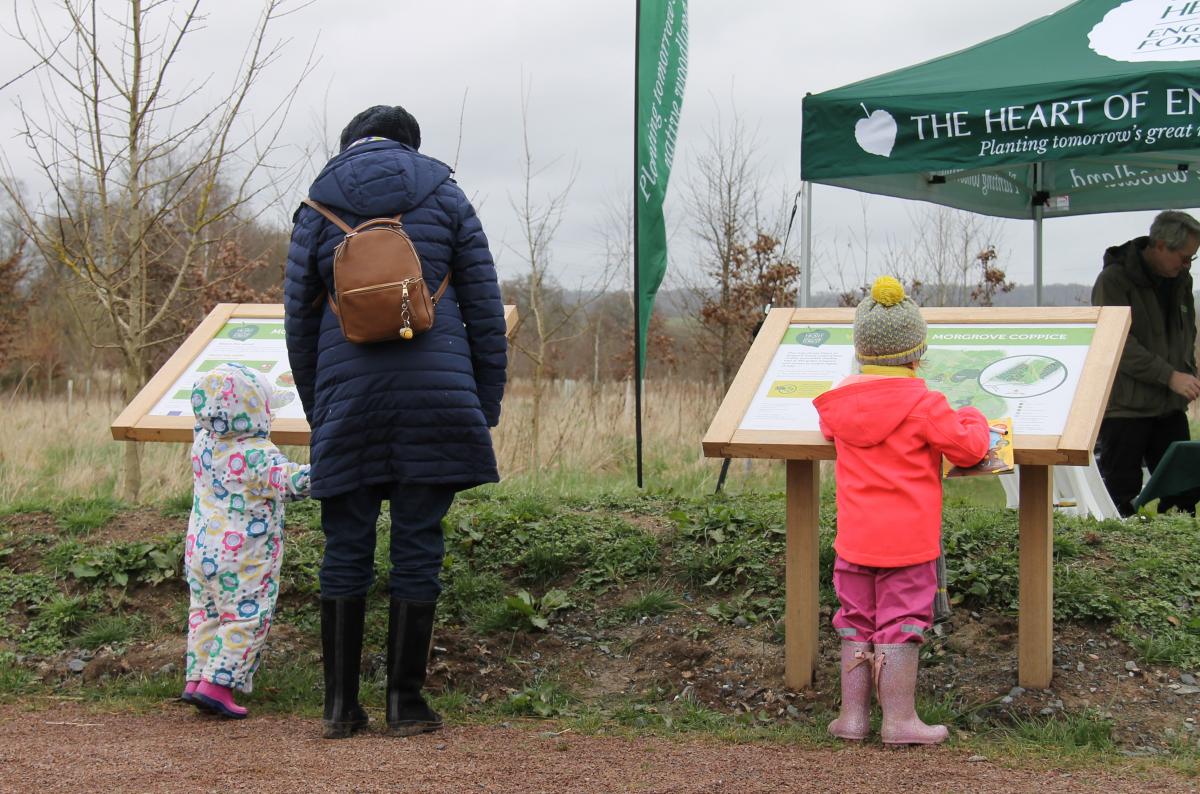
(405, 316)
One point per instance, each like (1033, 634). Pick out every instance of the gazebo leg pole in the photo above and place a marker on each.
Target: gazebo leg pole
(1039, 212)
(806, 198)
(801, 605)
(1035, 621)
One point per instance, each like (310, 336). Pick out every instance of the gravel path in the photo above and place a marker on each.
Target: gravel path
(70, 748)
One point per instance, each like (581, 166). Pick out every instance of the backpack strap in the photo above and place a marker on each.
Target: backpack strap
(329, 216)
(438, 295)
(338, 222)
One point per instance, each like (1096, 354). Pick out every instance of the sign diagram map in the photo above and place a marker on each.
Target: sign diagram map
(256, 343)
(1029, 373)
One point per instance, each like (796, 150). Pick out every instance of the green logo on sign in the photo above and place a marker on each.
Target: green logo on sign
(813, 338)
(244, 332)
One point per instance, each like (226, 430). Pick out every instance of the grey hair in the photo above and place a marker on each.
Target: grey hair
(1173, 228)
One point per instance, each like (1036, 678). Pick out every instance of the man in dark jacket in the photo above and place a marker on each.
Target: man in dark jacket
(1156, 377)
(402, 421)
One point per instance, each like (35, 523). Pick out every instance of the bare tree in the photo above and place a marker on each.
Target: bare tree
(940, 264)
(743, 258)
(854, 253)
(944, 254)
(724, 196)
(43, 58)
(615, 232)
(992, 280)
(548, 319)
(145, 179)
(610, 319)
(14, 308)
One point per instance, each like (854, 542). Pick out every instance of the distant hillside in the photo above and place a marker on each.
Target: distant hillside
(1052, 295)
(682, 302)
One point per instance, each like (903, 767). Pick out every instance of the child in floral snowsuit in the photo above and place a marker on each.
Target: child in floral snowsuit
(235, 534)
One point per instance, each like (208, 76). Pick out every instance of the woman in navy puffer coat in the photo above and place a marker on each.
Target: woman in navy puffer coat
(405, 421)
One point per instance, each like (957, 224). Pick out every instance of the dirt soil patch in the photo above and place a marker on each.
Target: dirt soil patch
(68, 748)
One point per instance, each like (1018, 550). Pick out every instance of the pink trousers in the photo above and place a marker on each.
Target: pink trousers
(884, 605)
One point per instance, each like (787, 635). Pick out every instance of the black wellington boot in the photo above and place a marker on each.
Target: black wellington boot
(341, 646)
(410, 628)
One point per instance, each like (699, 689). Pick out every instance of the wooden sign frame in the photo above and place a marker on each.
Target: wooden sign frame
(135, 423)
(1035, 455)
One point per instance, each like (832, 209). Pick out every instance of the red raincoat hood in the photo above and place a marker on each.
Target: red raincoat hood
(866, 409)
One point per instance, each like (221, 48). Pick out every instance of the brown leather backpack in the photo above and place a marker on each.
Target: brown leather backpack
(380, 294)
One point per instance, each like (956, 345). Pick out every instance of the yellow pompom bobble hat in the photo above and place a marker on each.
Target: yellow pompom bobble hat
(888, 326)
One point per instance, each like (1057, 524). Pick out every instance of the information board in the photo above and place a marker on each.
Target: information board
(257, 343)
(248, 333)
(1027, 372)
(1049, 369)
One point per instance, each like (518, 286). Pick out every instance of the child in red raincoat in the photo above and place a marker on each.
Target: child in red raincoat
(890, 431)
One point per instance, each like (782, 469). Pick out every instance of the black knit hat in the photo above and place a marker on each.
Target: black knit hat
(386, 121)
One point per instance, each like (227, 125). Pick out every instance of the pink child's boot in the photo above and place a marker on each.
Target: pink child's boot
(895, 685)
(189, 696)
(854, 720)
(219, 699)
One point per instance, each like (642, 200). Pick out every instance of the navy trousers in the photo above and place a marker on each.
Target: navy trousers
(417, 545)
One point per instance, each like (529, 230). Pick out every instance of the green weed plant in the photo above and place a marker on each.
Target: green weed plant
(79, 516)
(522, 611)
(537, 542)
(724, 544)
(120, 564)
(650, 603)
(111, 630)
(542, 698)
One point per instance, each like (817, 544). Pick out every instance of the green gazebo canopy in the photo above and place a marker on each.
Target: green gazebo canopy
(1095, 108)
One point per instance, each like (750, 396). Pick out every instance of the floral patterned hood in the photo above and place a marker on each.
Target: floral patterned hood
(231, 400)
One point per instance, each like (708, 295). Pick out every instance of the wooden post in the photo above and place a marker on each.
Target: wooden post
(801, 607)
(1035, 622)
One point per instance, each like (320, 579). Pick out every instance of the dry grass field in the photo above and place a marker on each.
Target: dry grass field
(53, 450)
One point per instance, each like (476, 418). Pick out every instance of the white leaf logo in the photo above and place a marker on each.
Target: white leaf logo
(1139, 31)
(876, 134)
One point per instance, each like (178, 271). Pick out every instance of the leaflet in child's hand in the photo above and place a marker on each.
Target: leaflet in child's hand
(999, 457)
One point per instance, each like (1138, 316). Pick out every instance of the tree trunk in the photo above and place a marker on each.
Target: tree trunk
(132, 484)
(535, 424)
(723, 362)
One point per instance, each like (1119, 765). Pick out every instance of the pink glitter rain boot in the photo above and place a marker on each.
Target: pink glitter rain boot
(854, 720)
(219, 699)
(895, 685)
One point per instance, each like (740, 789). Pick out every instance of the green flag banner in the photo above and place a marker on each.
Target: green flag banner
(661, 76)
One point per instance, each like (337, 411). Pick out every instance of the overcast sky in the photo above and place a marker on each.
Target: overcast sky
(755, 57)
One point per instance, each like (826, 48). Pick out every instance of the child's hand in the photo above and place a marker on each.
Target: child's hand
(292, 480)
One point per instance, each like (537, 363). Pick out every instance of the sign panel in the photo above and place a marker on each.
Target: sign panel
(248, 333)
(1049, 369)
(258, 344)
(1029, 372)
